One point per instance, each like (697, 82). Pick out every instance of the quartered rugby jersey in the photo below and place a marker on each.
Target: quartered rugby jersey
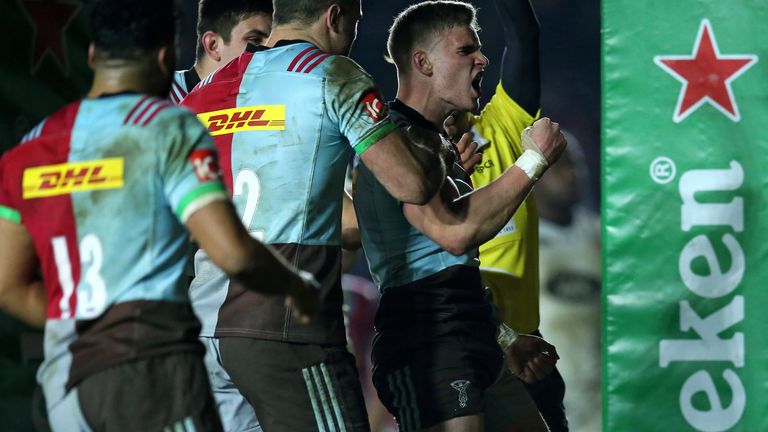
(397, 252)
(510, 261)
(103, 187)
(286, 121)
(183, 83)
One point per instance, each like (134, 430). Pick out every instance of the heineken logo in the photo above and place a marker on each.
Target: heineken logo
(706, 75)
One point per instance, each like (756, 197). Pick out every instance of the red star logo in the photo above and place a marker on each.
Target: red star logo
(706, 75)
(49, 20)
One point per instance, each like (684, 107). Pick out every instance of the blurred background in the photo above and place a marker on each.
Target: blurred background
(45, 67)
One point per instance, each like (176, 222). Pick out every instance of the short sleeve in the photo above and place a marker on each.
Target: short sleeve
(8, 210)
(501, 122)
(357, 105)
(190, 168)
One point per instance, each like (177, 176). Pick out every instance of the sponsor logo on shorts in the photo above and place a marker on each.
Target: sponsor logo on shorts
(205, 164)
(62, 179)
(373, 105)
(461, 386)
(258, 117)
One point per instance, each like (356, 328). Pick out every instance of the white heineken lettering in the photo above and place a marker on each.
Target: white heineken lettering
(716, 283)
(709, 347)
(707, 203)
(716, 418)
(703, 214)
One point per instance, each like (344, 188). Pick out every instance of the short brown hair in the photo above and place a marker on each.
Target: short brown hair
(426, 20)
(307, 11)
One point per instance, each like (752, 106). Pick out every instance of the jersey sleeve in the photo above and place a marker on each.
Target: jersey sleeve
(190, 169)
(501, 122)
(8, 210)
(357, 105)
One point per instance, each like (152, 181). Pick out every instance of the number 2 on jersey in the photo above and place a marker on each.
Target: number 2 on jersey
(247, 184)
(90, 302)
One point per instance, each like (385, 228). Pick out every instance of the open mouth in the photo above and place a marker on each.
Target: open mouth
(477, 82)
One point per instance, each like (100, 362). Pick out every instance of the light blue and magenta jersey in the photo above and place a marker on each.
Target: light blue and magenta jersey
(104, 187)
(286, 121)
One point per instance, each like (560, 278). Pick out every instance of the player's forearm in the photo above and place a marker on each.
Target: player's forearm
(260, 268)
(25, 302)
(489, 208)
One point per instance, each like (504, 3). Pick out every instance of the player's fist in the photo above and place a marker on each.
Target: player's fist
(531, 358)
(303, 296)
(545, 138)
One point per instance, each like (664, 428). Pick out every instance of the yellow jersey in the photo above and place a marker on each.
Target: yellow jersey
(510, 261)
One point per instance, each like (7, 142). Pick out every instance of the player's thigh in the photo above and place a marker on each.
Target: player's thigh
(434, 382)
(235, 411)
(509, 408)
(472, 423)
(169, 391)
(297, 387)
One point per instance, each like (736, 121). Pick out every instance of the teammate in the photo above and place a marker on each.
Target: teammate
(435, 351)
(224, 28)
(510, 261)
(97, 196)
(286, 118)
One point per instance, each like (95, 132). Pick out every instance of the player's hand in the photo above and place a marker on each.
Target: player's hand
(545, 138)
(468, 155)
(303, 296)
(456, 124)
(531, 358)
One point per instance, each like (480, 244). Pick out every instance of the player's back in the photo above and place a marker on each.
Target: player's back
(286, 121)
(101, 186)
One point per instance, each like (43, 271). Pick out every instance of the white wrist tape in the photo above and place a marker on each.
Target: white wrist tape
(532, 163)
(506, 336)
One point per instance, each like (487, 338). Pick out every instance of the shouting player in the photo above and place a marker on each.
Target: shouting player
(436, 359)
(98, 196)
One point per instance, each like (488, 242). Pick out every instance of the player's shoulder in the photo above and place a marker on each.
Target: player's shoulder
(61, 121)
(343, 68)
(149, 111)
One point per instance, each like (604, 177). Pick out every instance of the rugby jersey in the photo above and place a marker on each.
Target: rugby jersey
(104, 186)
(397, 252)
(510, 261)
(183, 83)
(286, 121)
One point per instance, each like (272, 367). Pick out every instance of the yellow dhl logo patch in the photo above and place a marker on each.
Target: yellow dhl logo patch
(61, 179)
(259, 117)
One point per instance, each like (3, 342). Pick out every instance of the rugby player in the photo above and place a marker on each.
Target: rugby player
(510, 261)
(93, 208)
(436, 361)
(224, 28)
(286, 118)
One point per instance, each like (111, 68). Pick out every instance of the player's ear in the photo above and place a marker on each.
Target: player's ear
(210, 42)
(333, 18)
(166, 60)
(92, 56)
(420, 62)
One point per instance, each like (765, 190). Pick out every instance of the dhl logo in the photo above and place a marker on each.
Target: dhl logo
(259, 117)
(61, 179)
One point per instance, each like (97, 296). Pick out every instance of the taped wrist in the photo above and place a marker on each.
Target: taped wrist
(506, 336)
(532, 163)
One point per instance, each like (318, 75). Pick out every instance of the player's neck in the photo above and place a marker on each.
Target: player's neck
(137, 79)
(424, 100)
(289, 32)
(204, 67)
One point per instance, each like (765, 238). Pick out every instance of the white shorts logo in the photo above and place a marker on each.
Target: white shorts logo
(461, 386)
